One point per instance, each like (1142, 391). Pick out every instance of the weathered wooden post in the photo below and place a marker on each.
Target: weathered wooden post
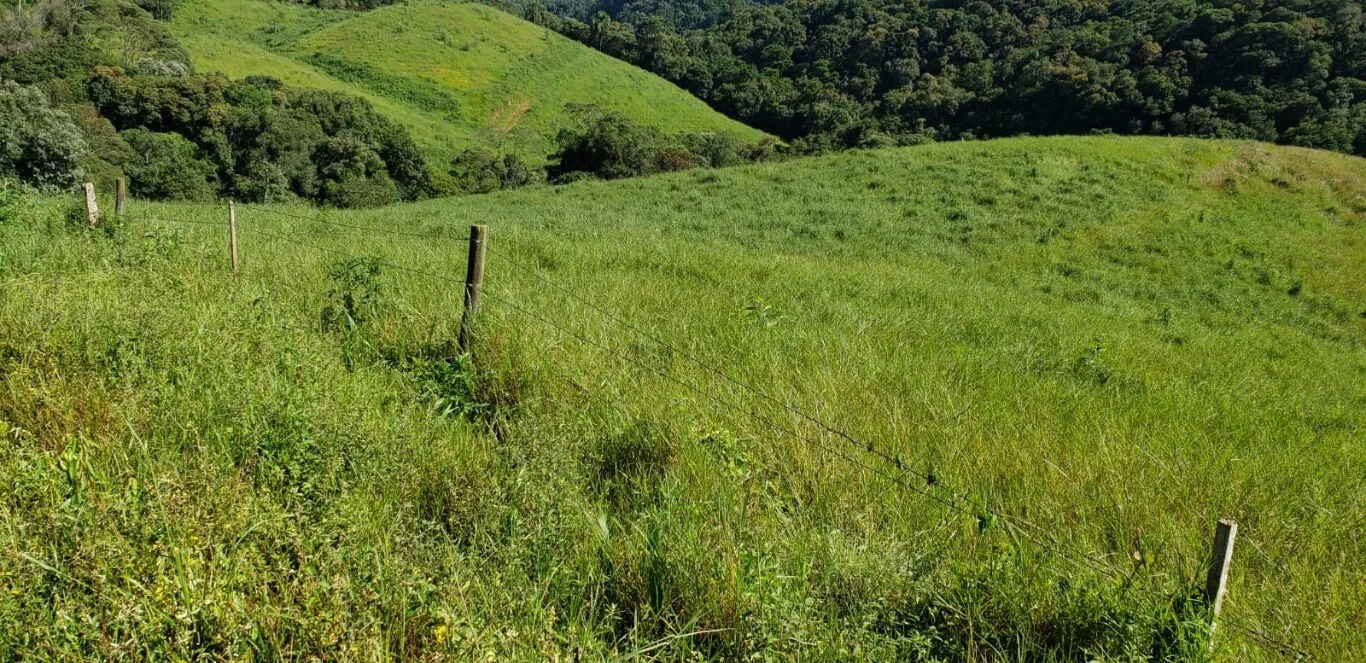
(121, 198)
(232, 233)
(1216, 583)
(92, 208)
(474, 284)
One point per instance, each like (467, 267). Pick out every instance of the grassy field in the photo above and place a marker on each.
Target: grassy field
(454, 73)
(1095, 346)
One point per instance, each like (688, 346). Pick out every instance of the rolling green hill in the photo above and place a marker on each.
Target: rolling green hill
(453, 73)
(1092, 347)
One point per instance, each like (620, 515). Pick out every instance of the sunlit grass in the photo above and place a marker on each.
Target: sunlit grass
(1117, 340)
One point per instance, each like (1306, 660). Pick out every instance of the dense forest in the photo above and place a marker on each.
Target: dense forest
(853, 73)
(99, 89)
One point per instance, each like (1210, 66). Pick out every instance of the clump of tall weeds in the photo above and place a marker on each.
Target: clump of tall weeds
(356, 294)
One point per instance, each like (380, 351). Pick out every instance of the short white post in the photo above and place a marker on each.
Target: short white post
(92, 209)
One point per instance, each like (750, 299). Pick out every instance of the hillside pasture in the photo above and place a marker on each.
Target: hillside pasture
(1093, 348)
(449, 71)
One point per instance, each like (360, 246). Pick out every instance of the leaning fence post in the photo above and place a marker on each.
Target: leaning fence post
(474, 284)
(232, 233)
(1216, 583)
(1221, 556)
(121, 197)
(92, 209)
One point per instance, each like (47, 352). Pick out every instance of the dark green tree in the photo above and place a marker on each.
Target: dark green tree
(39, 146)
(168, 166)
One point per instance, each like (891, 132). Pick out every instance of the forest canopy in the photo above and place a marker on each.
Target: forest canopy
(140, 111)
(853, 73)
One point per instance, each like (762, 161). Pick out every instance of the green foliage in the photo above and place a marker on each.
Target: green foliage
(456, 383)
(869, 73)
(16, 205)
(39, 146)
(160, 9)
(606, 144)
(481, 170)
(63, 40)
(451, 384)
(166, 166)
(356, 294)
(200, 136)
(40, 62)
(353, 175)
(358, 5)
(718, 150)
(268, 142)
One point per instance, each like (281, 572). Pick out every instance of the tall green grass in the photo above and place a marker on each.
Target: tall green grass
(1117, 340)
(454, 73)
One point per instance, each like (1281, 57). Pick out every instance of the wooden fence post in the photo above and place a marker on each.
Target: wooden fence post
(92, 209)
(121, 199)
(474, 284)
(232, 233)
(1216, 583)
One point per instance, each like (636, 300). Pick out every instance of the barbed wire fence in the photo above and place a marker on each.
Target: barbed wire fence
(861, 453)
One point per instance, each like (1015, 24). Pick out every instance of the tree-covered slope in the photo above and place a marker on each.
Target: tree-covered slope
(456, 74)
(873, 72)
(94, 90)
(1069, 356)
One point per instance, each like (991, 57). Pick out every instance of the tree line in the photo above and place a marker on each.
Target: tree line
(850, 73)
(72, 110)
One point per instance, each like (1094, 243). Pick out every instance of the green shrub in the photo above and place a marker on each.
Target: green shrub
(476, 170)
(264, 181)
(285, 140)
(608, 145)
(481, 170)
(161, 9)
(116, 69)
(353, 175)
(356, 121)
(626, 467)
(168, 167)
(356, 293)
(39, 146)
(719, 150)
(267, 143)
(59, 59)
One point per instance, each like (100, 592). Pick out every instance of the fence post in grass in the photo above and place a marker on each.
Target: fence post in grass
(232, 233)
(92, 209)
(121, 197)
(474, 284)
(1216, 583)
